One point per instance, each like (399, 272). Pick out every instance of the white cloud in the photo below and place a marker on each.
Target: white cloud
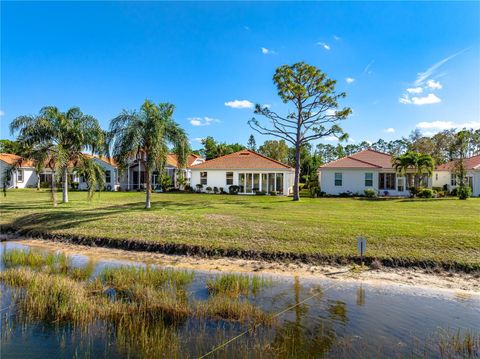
(330, 138)
(267, 105)
(336, 38)
(349, 80)
(205, 121)
(434, 85)
(422, 76)
(447, 125)
(330, 112)
(197, 139)
(389, 130)
(425, 100)
(2, 113)
(324, 45)
(239, 104)
(367, 70)
(415, 90)
(266, 51)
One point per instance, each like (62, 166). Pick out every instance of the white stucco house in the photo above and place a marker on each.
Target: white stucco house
(133, 177)
(24, 175)
(366, 169)
(249, 170)
(445, 176)
(20, 173)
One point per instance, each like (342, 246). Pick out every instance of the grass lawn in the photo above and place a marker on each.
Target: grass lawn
(441, 230)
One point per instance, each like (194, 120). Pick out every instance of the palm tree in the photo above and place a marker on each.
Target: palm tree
(58, 139)
(147, 133)
(418, 162)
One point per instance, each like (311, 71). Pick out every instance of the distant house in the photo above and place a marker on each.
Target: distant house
(133, 178)
(366, 169)
(249, 170)
(20, 172)
(23, 174)
(445, 175)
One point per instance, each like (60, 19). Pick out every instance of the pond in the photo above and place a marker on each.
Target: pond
(271, 317)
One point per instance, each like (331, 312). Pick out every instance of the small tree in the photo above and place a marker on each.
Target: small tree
(418, 162)
(252, 144)
(459, 149)
(315, 111)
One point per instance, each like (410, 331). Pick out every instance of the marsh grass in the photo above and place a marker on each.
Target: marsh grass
(50, 288)
(235, 285)
(458, 344)
(54, 263)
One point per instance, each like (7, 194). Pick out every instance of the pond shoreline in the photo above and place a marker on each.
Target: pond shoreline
(256, 255)
(406, 278)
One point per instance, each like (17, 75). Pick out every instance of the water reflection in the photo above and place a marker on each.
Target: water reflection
(336, 321)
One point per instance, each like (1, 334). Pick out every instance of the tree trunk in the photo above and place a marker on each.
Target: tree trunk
(38, 181)
(54, 189)
(149, 187)
(65, 185)
(296, 195)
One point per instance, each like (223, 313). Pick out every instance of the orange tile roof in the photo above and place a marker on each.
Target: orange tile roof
(364, 159)
(470, 163)
(110, 161)
(12, 159)
(244, 159)
(172, 160)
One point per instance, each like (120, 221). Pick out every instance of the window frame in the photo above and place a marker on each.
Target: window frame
(22, 175)
(338, 182)
(229, 181)
(369, 180)
(108, 176)
(204, 178)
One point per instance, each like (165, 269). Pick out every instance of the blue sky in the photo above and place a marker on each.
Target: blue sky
(404, 65)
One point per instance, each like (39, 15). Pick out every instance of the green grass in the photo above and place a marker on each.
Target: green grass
(439, 231)
(234, 285)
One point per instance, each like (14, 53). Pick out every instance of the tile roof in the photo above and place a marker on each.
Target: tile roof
(11, 159)
(110, 161)
(244, 159)
(173, 161)
(364, 159)
(471, 163)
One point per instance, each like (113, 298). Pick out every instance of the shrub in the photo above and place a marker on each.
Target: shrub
(221, 190)
(370, 193)
(215, 190)
(74, 185)
(208, 189)
(273, 193)
(260, 193)
(453, 192)
(436, 189)
(425, 193)
(233, 189)
(441, 194)
(315, 191)
(464, 192)
(199, 187)
(345, 194)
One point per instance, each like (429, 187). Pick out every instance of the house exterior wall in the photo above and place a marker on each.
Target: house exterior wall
(353, 180)
(29, 176)
(441, 178)
(218, 178)
(112, 185)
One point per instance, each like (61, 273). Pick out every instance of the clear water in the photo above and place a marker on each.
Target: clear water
(345, 320)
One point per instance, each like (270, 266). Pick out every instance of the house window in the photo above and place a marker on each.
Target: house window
(108, 176)
(453, 179)
(386, 181)
(369, 179)
(203, 178)
(338, 179)
(229, 178)
(436, 176)
(19, 175)
(400, 185)
(280, 183)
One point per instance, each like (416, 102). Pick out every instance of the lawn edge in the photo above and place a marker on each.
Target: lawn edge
(205, 252)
